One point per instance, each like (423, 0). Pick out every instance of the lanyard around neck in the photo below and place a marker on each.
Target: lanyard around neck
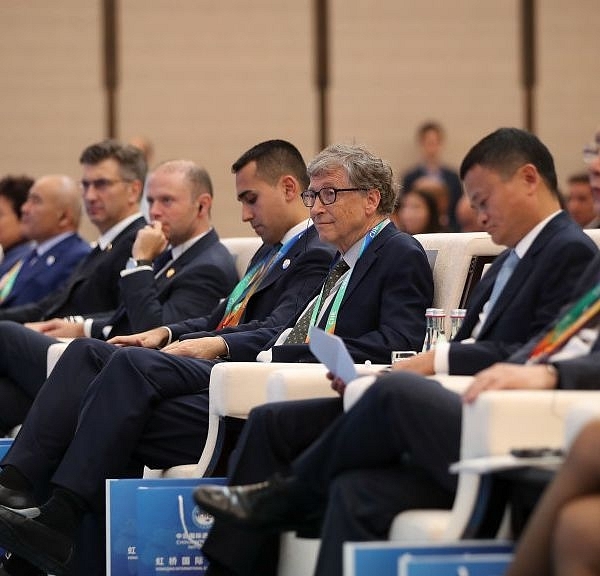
(333, 313)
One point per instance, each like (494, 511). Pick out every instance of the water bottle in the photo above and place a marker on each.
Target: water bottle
(428, 329)
(457, 315)
(439, 327)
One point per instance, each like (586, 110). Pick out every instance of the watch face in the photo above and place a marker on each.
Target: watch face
(131, 263)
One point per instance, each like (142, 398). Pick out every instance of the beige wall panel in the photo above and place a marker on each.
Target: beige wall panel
(568, 90)
(206, 80)
(397, 63)
(51, 102)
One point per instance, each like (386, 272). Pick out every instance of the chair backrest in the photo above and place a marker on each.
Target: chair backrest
(242, 248)
(458, 260)
(594, 234)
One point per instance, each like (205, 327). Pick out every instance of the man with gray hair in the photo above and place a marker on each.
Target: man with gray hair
(373, 306)
(50, 219)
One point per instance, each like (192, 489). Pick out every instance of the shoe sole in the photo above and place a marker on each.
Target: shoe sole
(12, 540)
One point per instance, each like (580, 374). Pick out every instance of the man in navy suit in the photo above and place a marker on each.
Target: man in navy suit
(50, 219)
(510, 179)
(112, 184)
(372, 305)
(190, 278)
(391, 451)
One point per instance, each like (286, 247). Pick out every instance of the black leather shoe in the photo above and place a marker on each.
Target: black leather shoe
(273, 504)
(16, 566)
(16, 499)
(44, 547)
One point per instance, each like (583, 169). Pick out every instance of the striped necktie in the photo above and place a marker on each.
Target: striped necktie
(299, 332)
(236, 306)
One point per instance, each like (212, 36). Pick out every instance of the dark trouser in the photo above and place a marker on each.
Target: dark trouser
(272, 437)
(23, 362)
(89, 419)
(401, 435)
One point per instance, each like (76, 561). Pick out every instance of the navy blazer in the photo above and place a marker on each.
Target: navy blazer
(384, 306)
(578, 373)
(539, 286)
(39, 277)
(192, 285)
(283, 292)
(93, 286)
(13, 255)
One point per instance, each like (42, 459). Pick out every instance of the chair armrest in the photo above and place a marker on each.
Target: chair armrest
(237, 387)
(501, 420)
(293, 384)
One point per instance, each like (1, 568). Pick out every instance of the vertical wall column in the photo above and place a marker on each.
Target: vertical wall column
(528, 58)
(322, 68)
(111, 70)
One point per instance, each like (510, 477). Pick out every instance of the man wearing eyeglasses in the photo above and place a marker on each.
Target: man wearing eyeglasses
(374, 298)
(112, 184)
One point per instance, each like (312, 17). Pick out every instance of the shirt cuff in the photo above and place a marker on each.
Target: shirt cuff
(127, 272)
(441, 358)
(87, 327)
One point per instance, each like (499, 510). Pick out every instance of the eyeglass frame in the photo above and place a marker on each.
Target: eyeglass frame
(317, 194)
(100, 183)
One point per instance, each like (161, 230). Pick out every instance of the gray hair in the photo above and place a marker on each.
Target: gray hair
(364, 170)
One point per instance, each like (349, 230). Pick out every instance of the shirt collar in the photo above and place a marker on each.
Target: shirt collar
(178, 250)
(525, 243)
(295, 230)
(113, 232)
(43, 247)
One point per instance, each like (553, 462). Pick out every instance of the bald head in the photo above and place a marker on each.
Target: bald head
(53, 207)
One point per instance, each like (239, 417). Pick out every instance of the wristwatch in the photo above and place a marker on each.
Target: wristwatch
(133, 263)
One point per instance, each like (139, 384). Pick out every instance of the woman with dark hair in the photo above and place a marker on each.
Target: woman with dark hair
(13, 194)
(417, 212)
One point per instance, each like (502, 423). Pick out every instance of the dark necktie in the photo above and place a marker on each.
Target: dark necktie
(300, 330)
(162, 260)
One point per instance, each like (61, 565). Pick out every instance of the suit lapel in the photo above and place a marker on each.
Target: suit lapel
(367, 259)
(283, 264)
(163, 281)
(523, 270)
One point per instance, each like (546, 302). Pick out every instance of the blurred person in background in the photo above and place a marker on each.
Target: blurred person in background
(416, 212)
(430, 140)
(13, 194)
(49, 219)
(580, 202)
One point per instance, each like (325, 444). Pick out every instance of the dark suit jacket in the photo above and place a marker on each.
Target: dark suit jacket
(383, 308)
(577, 373)
(539, 286)
(41, 276)
(93, 286)
(282, 294)
(193, 284)
(13, 255)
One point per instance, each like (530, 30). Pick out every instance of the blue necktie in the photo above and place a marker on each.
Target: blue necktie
(504, 274)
